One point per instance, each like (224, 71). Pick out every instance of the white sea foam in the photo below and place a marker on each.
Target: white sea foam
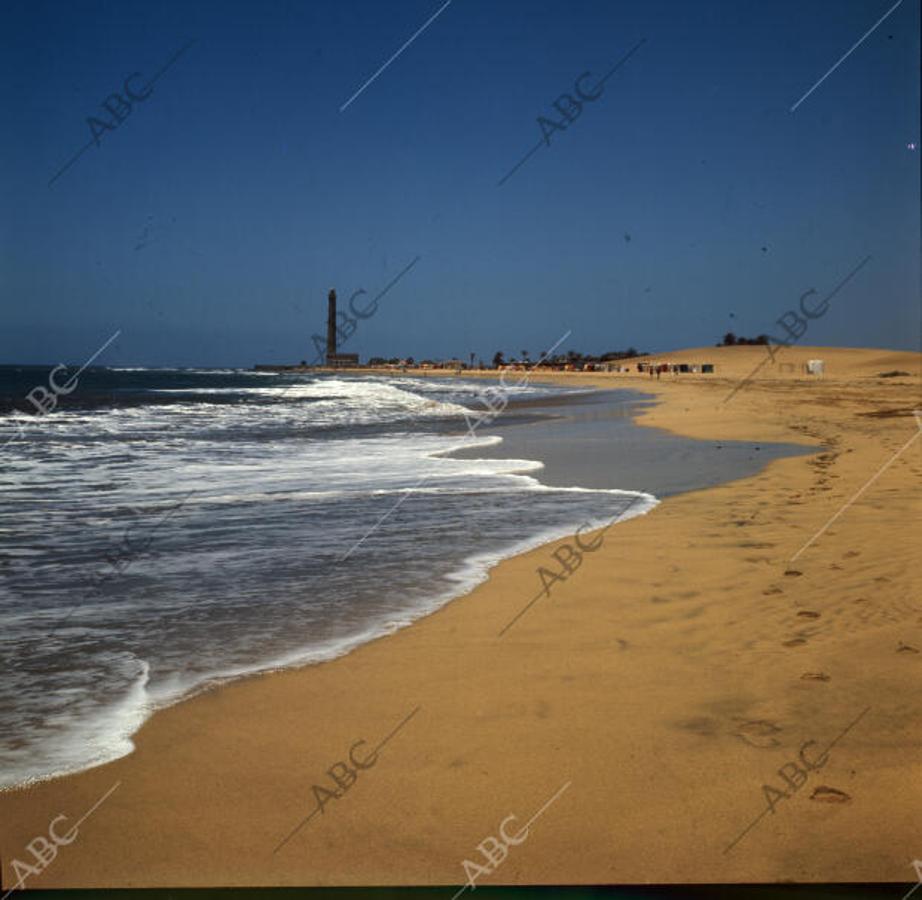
(76, 739)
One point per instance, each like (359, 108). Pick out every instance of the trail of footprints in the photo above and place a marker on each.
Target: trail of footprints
(852, 604)
(855, 600)
(761, 734)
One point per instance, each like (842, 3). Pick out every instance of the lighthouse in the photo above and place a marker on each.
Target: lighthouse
(337, 360)
(331, 326)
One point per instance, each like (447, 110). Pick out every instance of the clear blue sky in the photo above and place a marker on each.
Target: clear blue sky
(250, 194)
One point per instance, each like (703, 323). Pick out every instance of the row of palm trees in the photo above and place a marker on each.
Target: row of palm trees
(499, 359)
(571, 357)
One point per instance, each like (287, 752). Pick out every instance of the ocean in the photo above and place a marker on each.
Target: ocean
(166, 530)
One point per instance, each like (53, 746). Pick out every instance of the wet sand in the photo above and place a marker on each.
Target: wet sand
(593, 442)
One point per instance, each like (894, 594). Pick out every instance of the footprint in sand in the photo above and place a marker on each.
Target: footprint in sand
(851, 553)
(808, 614)
(759, 733)
(815, 676)
(774, 589)
(829, 795)
(700, 725)
(794, 642)
(906, 648)
(792, 572)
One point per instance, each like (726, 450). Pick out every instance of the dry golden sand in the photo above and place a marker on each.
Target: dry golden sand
(666, 681)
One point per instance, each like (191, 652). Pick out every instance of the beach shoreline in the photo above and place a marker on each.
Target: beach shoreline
(564, 442)
(674, 651)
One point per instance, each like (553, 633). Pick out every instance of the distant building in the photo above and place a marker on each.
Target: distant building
(815, 367)
(343, 360)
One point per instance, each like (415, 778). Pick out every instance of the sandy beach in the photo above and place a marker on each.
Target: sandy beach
(651, 694)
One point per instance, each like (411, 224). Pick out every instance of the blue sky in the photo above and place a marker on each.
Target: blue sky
(210, 224)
